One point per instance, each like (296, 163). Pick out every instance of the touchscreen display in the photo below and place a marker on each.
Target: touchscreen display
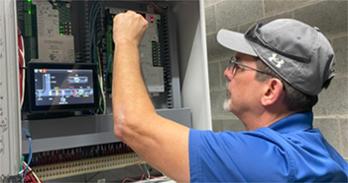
(63, 86)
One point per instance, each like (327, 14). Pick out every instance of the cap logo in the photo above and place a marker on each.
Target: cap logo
(276, 61)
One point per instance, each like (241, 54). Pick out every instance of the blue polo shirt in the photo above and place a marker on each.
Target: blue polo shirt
(288, 150)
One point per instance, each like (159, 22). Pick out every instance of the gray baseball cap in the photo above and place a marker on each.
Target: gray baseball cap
(300, 54)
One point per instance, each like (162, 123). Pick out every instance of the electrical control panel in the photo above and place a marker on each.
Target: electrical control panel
(79, 141)
(61, 36)
(58, 32)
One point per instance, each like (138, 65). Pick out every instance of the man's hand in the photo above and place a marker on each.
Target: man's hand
(128, 28)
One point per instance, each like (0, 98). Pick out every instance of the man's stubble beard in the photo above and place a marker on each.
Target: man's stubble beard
(227, 102)
(227, 105)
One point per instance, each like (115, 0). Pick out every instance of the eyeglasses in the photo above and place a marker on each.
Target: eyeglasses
(235, 65)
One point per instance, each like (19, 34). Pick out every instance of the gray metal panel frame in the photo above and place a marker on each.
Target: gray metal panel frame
(193, 61)
(10, 126)
(103, 125)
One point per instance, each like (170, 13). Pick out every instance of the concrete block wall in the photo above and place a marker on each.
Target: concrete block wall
(331, 16)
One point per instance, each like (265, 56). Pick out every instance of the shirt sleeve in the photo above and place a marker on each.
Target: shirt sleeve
(235, 157)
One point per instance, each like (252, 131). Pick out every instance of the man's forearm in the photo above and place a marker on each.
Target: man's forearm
(130, 97)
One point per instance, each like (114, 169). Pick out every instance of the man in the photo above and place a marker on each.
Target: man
(272, 82)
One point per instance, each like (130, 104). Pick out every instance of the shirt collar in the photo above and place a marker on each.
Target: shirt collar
(294, 122)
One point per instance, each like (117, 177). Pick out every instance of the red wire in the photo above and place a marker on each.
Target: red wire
(21, 61)
(29, 176)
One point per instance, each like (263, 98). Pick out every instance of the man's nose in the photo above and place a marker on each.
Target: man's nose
(228, 73)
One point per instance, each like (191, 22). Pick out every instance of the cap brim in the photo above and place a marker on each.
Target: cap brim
(235, 41)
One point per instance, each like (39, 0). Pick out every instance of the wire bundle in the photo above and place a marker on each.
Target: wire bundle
(95, 12)
(30, 176)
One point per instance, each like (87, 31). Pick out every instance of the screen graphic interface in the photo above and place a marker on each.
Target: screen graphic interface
(63, 86)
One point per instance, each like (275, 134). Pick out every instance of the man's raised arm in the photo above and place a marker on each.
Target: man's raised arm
(159, 141)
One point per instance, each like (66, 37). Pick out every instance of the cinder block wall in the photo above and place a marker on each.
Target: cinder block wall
(331, 16)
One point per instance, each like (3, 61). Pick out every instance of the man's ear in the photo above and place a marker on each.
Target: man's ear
(272, 92)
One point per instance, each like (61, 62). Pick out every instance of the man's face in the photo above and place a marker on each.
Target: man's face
(242, 88)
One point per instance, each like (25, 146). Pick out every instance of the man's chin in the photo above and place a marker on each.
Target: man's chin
(227, 105)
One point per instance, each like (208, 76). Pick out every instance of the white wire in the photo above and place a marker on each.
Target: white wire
(100, 74)
(102, 93)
